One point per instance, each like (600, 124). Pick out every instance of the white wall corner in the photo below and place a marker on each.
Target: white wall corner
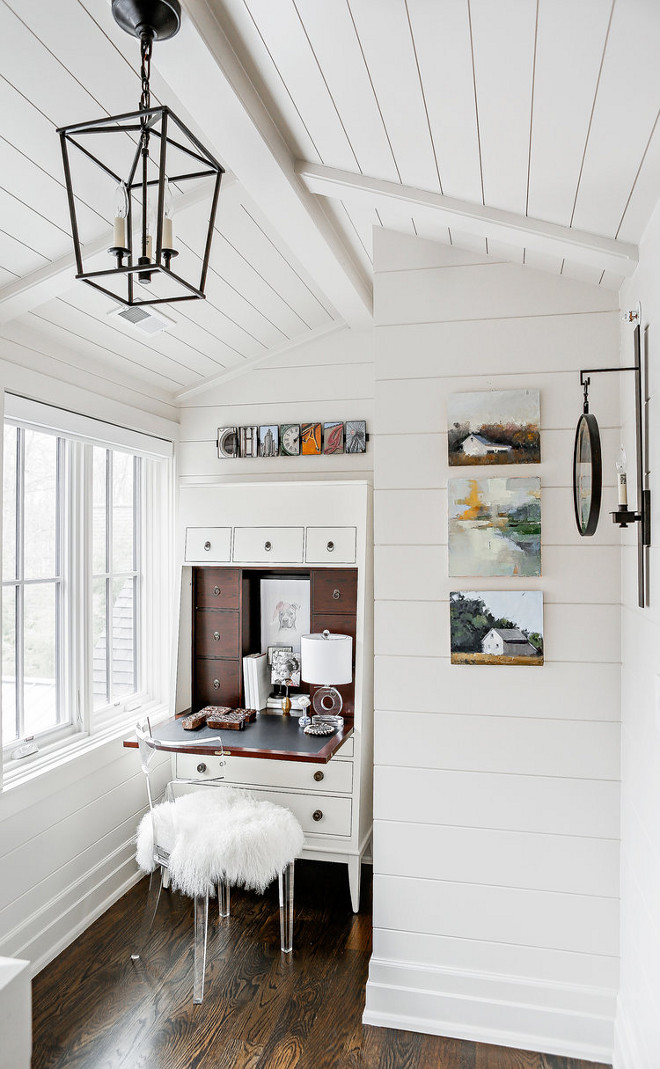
(552, 1018)
(627, 1054)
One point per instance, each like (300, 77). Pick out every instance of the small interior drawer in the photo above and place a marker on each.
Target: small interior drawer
(334, 591)
(217, 588)
(208, 544)
(217, 633)
(217, 682)
(331, 545)
(268, 545)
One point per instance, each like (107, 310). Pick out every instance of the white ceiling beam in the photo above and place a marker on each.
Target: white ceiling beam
(492, 223)
(57, 277)
(204, 72)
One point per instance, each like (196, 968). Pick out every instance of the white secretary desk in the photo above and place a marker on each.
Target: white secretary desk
(269, 527)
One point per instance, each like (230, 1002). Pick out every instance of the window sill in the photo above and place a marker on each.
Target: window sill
(26, 770)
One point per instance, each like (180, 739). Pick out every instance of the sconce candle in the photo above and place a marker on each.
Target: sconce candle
(120, 213)
(622, 480)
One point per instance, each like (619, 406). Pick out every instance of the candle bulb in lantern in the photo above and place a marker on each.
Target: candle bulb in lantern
(152, 226)
(168, 212)
(622, 478)
(120, 212)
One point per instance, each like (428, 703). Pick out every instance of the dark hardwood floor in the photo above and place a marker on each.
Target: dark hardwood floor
(94, 1009)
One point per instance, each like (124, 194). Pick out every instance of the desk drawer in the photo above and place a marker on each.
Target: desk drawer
(217, 634)
(334, 591)
(208, 544)
(333, 777)
(216, 682)
(318, 815)
(217, 588)
(268, 545)
(331, 545)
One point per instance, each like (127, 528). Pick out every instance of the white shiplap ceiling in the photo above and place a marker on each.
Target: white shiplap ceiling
(522, 129)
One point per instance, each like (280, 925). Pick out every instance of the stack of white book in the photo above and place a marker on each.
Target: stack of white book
(256, 680)
(275, 701)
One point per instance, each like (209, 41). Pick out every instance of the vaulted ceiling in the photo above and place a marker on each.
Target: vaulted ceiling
(526, 130)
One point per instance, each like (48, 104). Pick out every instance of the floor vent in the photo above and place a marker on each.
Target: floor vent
(146, 321)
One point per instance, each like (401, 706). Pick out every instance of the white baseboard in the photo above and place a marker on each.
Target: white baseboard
(44, 934)
(552, 1018)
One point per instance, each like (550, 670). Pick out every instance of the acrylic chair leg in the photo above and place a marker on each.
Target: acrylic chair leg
(201, 929)
(224, 898)
(286, 908)
(151, 905)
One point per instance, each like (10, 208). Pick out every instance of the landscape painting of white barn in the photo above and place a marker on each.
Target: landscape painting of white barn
(494, 427)
(496, 627)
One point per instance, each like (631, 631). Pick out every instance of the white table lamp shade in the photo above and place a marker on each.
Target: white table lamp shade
(326, 659)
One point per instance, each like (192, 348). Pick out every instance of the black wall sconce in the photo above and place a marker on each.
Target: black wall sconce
(588, 471)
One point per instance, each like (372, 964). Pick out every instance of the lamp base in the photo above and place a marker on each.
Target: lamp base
(327, 701)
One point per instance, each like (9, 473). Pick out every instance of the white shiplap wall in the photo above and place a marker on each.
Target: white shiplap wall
(66, 849)
(637, 1040)
(331, 378)
(496, 789)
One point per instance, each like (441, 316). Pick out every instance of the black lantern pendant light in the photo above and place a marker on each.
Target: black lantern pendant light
(143, 160)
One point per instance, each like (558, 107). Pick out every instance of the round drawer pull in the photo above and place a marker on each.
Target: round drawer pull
(336, 594)
(207, 546)
(201, 767)
(268, 546)
(317, 814)
(216, 635)
(216, 590)
(330, 546)
(216, 683)
(318, 776)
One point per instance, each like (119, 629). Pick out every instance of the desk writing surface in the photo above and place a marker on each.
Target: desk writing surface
(271, 735)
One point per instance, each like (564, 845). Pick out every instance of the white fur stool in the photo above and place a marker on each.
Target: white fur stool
(216, 836)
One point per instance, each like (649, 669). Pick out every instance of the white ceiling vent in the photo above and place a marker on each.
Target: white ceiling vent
(140, 318)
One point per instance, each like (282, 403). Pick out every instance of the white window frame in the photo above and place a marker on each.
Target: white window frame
(155, 533)
(19, 583)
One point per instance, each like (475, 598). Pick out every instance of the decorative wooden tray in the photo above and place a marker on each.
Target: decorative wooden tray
(218, 716)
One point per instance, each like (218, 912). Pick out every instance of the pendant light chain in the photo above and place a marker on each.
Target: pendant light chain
(146, 48)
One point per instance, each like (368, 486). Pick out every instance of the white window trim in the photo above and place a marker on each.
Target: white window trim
(158, 547)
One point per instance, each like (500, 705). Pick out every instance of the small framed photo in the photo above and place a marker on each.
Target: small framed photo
(356, 436)
(271, 649)
(249, 441)
(310, 435)
(285, 612)
(228, 444)
(289, 439)
(333, 438)
(269, 440)
(285, 669)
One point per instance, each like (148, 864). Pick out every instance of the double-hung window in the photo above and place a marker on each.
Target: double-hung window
(86, 551)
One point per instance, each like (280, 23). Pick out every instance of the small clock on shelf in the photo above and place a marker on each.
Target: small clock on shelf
(290, 440)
